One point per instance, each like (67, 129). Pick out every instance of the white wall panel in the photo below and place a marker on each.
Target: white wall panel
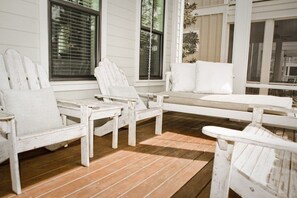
(19, 27)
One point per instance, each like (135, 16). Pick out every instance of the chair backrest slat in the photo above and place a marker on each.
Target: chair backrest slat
(31, 73)
(43, 77)
(4, 83)
(15, 69)
(108, 74)
(22, 72)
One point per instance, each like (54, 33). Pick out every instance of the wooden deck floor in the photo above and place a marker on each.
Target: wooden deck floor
(176, 164)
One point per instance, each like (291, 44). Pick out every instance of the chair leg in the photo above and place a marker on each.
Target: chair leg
(221, 171)
(115, 132)
(132, 124)
(84, 140)
(132, 133)
(14, 160)
(85, 151)
(158, 127)
(91, 138)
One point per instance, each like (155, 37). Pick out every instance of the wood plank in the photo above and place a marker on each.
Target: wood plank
(197, 183)
(293, 176)
(177, 181)
(116, 183)
(146, 186)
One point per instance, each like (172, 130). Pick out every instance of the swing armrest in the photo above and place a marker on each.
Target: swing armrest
(125, 99)
(151, 95)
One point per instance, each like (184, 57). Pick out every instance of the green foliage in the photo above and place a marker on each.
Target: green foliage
(190, 43)
(189, 19)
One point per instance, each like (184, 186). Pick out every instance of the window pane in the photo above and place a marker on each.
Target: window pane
(284, 54)
(255, 51)
(92, 4)
(146, 13)
(73, 42)
(144, 54)
(155, 67)
(158, 15)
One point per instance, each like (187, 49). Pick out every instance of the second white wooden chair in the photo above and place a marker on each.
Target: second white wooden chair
(114, 87)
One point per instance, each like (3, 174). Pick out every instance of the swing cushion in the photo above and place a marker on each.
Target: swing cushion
(127, 92)
(214, 78)
(183, 76)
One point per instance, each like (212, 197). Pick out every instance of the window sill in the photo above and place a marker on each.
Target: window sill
(74, 85)
(145, 83)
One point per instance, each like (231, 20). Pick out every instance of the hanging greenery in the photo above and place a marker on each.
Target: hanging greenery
(189, 19)
(190, 40)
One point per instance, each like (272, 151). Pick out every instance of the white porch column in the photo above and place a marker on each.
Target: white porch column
(177, 31)
(266, 57)
(242, 29)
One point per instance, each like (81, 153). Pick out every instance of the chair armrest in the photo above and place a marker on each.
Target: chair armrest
(5, 119)
(125, 99)
(290, 112)
(5, 116)
(152, 95)
(68, 103)
(239, 136)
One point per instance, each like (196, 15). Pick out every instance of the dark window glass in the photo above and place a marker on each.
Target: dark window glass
(151, 39)
(74, 43)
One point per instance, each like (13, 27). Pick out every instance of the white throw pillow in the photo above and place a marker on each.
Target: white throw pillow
(214, 78)
(127, 92)
(183, 76)
(34, 110)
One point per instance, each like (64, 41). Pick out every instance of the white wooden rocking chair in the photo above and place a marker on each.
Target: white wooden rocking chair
(114, 86)
(253, 162)
(21, 77)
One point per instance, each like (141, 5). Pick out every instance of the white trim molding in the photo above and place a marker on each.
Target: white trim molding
(151, 83)
(272, 86)
(59, 86)
(44, 36)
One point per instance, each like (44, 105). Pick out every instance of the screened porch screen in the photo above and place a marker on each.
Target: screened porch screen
(73, 44)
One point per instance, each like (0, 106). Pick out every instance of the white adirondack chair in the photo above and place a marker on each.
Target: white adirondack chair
(253, 162)
(20, 73)
(112, 79)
